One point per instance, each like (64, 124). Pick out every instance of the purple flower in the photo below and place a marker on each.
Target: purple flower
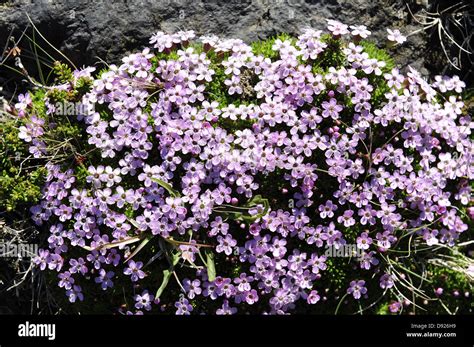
(323, 147)
(55, 262)
(278, 248)
(225, 244)
(317, 263)
(313, 297)
(78, 266)
(234, 85)
(64, 212)
(364, 241)
(183, 307)
(395, 306)
(385, 240)
(173, 208)
(74, 294)
(42, 259)
(96, 258)
(110, 176)
(105, 279)
(357, 289)
(331, 109)
(226, 309)
(243, 282)
(32, 130)
(367, 259)
(219, 227)
(346, 218)
(66, 281)
(360, 31)
(192, 287)
(210, 290)
(386, 281)
(327, 210)
(251, 297)
(144, 300)
(337, 28)
(367, 215)
(134, 270)
(188, 252)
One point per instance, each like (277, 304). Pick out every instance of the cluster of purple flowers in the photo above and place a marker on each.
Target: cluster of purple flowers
(385, 169)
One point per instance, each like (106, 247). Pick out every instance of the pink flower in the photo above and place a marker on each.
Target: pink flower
(337, 28)
(394, 306)
(313, 297)
(24, 101)
(395, 36)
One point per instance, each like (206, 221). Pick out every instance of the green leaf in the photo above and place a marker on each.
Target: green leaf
(211, 267)
(167, 186)
(114, 244)
(158, 255)
(167, 273)
(240, 213)
(139, 247)
(166, 278)
(257, 200)
(134, 223)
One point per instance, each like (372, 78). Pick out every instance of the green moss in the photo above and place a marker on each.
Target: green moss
(335, 274)
(83, 85)
(449, 279)
(377, 53)
(265, 47)
(21, 176)
(332, 54)
(173, 55)
(18, 185)
(102, 71)
(56, 96)
(197, 46)
(62, 72)
(37, 98)
(382, 309)
(216, 88)
(378, 82)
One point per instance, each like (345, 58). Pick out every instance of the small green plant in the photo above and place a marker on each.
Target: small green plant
(20, 178)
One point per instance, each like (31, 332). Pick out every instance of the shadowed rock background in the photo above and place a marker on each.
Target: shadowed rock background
(86, 30)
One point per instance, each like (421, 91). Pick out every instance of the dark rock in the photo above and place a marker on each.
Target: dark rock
(86, 30)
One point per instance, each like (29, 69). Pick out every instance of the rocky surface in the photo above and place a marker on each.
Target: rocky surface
(86, 30)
